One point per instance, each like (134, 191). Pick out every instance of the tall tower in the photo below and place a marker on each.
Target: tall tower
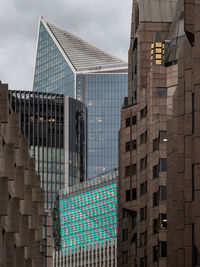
(142, 219)
(68, 65)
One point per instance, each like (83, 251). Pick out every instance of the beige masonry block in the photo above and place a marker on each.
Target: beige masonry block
(8, 161)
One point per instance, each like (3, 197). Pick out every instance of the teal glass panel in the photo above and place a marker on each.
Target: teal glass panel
(52, 73)
(89, 217)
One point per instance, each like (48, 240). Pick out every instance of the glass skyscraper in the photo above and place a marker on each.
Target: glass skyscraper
(69, 65)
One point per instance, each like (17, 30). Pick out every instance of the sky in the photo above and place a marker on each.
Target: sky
(104, 23)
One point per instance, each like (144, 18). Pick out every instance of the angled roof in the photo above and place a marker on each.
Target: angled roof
(82, 55)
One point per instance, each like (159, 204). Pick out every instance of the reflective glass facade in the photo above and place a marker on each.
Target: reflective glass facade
(52, 73)
(102, 92)
(88, 214)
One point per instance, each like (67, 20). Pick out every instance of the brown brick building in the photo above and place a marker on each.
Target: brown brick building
(21, 198)
(183, 180)
(142, 214)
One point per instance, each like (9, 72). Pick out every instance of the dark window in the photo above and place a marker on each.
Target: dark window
(128, 170)
(143, 213)
(193, 181)
(134, 169)
(142, 262)
(143, 163)
(195, 253)
(143, 239)
(163, 221)
(143, 188)
(155, 199)
(134, 193)
(128, 195)
(163, 249)
(125, 234)
(143, 113)
(163, 192)
(193, 113)
(125, 257)
(134, 120)
(162, 136)
(128, 146)
(161, 92)
(155, 144)
(124, 213)
(143, 138)
(128, 122)
(163, 165)
(155, 226)
(134, 144)
(131, 170)
(155, 253)
(155, 171)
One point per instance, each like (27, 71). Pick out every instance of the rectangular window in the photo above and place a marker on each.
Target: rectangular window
(134, 145)
(143, 138)
(134, 120)
(155, 226)
(162, 136)
(163, 248)
(143, 113)
(193, 182)
(163, 192)
(128, 146)
(131, 170)
(128, 122)
(163, 165)
(163, 221)
(143, 163)
(124, 213)
(155, 253)
(125, 234)
(128, 195)
(142, 262)
(143, 239)
(125, 257)
(143, 188)
(155, 144)
(128, 170)
(143, 213)
(161, 92)
(155, 199)
(134, 193)
(155, 171)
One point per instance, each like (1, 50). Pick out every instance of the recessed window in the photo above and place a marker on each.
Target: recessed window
(155, 171)
(131, 145)
(131, 170)
(143, 113)
(163, 192)
(161, 91)
(143, 261)
(128, 122)
(143, 213)
(125, 257)
(163, 165)
(163, 248)
(134, 120)
(155, 144)
(128, 195)
(143, 239)
(163, 221)
(134, 193)
(128, 146)
(134, 144)
(143, 163)
(143, 188)
(155, 226)
(124, 213)
(155, 253)
(125, 234)
(143, 138)
(155, 199)
(162, 136)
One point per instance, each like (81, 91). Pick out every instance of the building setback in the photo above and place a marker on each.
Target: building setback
(66, 64)
(85, 223)
(183, 176)
(142, 214)
(56, 128)
(21, 198)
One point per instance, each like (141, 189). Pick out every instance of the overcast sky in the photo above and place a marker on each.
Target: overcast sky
(104, 23)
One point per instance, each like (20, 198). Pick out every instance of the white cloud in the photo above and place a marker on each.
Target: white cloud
(105, 23)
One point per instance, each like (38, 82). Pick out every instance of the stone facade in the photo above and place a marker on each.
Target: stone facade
(183, 174)
(142, 219)
(21, 198)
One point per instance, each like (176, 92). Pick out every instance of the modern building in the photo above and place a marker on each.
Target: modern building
(21, 198)
(183, 174)
(66, 64)
(85, 223)
(156, 34)
(56, 128)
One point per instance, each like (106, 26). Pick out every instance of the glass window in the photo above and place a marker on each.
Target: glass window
(128, 170)
(143, 113)
(163, 249)
(155, 199)
(143, 163)
(155, 253)
(162, 136)
(134, 193)
(163, 221)
(134, 120)
(163, 192)
(143, 188)
(134, 144)
(143, 239)
(155, 144)
(128, 122)
(128, 195)
(125, 234)
(163, 165)
(128, 146)
(155, 171)
(125, 257)
(143, 138)
(143, 213)
(155, 226)
(124, 213)
(161, 92)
